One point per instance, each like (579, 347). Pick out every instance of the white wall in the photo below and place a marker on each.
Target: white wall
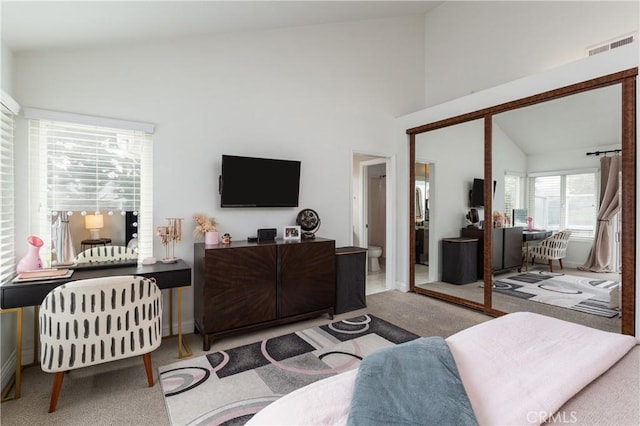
(506, 157)
(477, 45)
(456, 153)
(6, 69)
(315, 94)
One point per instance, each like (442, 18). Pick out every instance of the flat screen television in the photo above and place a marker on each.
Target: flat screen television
(259, 182)
(476, 195)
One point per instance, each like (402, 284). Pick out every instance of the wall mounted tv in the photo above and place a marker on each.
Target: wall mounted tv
(259, 182)
(476, 195)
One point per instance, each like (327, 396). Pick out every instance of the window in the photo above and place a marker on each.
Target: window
(92, 166)
(513, 193)
(7, 198)
(565, 201)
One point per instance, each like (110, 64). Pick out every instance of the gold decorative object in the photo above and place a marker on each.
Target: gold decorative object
(170, 235)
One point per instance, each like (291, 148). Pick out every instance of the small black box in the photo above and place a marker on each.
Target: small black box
(266, 235)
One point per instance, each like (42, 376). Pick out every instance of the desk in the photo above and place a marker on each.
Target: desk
(15, 296)
(533, 235)
(87, 244)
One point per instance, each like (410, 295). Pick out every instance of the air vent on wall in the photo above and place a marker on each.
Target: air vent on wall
(612, 44)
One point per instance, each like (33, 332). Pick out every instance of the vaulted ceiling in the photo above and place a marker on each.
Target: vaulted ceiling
(30, 25)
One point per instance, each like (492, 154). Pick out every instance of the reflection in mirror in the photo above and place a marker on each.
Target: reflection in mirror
(423, 173)
(447, 162)
(546, 184)
(73, 233)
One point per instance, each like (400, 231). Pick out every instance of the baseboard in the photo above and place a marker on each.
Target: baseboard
(8, 368)
(187, 328)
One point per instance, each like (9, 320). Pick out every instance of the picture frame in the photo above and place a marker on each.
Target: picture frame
(291, 233)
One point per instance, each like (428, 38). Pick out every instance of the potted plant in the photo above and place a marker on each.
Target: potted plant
(207, 227)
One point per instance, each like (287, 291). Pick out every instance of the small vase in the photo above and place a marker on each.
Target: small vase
(211, 238)
(32, 259)
(529, 224)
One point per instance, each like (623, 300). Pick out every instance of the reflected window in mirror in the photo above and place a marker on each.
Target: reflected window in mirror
(514, 190)
(564, 201)
(81, 171)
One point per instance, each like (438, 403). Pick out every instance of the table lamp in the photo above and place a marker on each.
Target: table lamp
(94, 222)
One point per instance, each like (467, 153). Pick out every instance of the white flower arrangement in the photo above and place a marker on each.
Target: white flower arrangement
(203, 225)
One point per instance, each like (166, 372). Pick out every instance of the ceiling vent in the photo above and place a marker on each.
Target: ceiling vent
(612, 44)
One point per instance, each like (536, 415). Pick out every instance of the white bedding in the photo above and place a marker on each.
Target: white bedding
(517, 369)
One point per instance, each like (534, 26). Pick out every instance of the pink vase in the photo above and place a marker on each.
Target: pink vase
(211, 238)
(31, 260)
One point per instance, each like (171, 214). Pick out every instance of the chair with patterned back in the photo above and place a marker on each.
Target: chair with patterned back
(551, 248)
(106, 254)
(97, 320)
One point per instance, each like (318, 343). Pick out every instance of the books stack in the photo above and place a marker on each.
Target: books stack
(43, 275)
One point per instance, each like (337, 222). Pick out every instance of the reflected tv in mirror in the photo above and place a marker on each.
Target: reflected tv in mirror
(476, 195)
(259, 182)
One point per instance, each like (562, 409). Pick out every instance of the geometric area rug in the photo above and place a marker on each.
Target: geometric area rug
(228, 387)
(582, 294)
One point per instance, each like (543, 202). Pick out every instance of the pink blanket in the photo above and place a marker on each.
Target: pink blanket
(516, 369)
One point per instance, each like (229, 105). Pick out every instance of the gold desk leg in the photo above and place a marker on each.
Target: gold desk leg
(183, 348)
(171, 312)
(16, 380)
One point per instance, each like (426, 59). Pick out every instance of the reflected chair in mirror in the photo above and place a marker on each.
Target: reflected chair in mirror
(97, 320)
(106, 254)
(551, 248)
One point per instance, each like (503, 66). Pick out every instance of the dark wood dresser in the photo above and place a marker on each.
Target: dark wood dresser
(244, 286)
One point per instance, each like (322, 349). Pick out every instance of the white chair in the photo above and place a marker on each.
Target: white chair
(106, 254)
(98, 320)
(551, 248)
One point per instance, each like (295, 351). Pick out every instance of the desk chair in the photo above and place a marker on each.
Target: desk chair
(106, 254)
(551, 248)
(97, 320)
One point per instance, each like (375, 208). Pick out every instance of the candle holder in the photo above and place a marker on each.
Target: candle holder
(170, 235)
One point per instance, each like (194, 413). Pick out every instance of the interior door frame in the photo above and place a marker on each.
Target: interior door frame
(390, 211)
(433, 245)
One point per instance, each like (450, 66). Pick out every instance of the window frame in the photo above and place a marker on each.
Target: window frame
(9, 110)
(40, 220)
(577, 234)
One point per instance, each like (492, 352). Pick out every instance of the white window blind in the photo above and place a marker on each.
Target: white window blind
(89, 168)
(7, 197)
(564, 201)
(512, 193)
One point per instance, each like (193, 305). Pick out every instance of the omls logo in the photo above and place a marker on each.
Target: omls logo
(559, 417)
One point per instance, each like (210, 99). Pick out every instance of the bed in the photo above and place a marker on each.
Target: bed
(521, 368)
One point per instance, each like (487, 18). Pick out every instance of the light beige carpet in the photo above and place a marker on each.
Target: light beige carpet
(116, 393)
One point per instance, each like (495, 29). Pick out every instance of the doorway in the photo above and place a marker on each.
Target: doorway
(371, 216)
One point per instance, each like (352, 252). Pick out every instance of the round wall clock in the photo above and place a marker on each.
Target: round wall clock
(309, 223)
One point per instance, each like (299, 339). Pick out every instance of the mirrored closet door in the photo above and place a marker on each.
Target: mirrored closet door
(535, 162)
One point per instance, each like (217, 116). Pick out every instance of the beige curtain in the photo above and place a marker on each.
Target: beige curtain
(599, 259)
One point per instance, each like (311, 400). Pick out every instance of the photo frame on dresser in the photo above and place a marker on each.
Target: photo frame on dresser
(291, 233)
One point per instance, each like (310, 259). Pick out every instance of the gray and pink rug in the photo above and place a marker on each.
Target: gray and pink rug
(229, 387)
(583, 294)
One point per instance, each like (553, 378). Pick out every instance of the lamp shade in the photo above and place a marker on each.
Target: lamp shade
(93, 221)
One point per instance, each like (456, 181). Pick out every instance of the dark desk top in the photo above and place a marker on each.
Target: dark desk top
(98, 241)
(167, 275)
(535, 234)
